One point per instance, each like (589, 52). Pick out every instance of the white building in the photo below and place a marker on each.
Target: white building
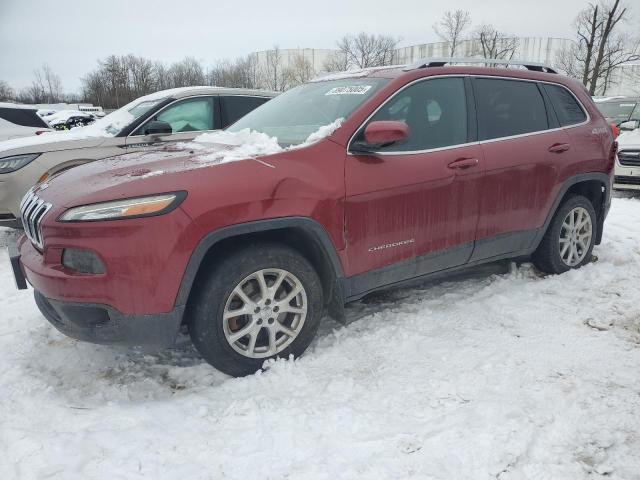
(625, 80)
(316, 57)
(534, 49)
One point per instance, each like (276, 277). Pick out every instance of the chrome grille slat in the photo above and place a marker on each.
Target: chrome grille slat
(33, 210)
(629, 158)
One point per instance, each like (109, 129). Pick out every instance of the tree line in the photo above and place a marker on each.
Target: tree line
(601, 45)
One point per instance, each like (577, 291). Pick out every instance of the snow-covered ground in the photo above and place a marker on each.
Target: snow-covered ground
(499, 373)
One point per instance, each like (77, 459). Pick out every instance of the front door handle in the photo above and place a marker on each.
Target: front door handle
(463, 163)
(559, 147)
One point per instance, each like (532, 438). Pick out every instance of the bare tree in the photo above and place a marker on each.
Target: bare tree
(300, 71)
(274, 76)
(186, 73)
(601, 47)
(6, 92)
(364, 50)
(239, 73)
(451, 28)
(494, 44)
(336, 62)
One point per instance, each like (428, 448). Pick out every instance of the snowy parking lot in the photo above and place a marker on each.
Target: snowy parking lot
(497, 373)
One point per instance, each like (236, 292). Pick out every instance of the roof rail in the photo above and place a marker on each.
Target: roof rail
(440, 62)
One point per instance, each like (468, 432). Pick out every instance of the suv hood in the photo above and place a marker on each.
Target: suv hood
(627, 140)
(172, 168)
(49, 142)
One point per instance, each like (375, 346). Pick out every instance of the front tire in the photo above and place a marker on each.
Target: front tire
(261, 302)
(569, 239)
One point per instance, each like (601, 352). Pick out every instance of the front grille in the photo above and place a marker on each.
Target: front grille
(626, 180)
(33, 210)
(629, 158)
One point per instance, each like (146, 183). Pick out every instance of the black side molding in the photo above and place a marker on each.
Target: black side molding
(310, 226)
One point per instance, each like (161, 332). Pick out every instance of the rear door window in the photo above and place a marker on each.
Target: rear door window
(567, 108)
(508, 107)
(236, 107)
(22, 116)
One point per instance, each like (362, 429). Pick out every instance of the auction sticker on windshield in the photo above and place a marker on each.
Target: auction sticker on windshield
(354, 90)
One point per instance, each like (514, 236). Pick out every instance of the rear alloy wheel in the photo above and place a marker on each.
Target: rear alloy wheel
(576, 233)
(257, 303)
(569, 240)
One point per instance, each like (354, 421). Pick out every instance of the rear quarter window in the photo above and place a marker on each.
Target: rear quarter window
(567, 108)
(236, 107)
(22, 116)
(508, 107)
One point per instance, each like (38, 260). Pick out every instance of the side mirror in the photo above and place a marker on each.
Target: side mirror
(630, 125)
(157, 127)
(382, 133)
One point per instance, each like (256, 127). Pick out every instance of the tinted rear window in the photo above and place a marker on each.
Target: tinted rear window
(567, 108)
(22, 116)
(234, 108)
(508, 107)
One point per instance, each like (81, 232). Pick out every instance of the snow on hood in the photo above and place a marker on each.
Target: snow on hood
(629, 139)
(222, 146)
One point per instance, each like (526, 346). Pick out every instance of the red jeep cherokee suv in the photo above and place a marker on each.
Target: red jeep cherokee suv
(432, 167)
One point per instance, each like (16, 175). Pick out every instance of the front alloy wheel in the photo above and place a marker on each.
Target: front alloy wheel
(265, 313)
(259, 302)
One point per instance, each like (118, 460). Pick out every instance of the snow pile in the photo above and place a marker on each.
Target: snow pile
(323, 132)
(498, 373)
(223, 147)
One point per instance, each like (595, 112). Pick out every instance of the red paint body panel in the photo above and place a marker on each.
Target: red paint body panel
(362, 202)
(409, 198)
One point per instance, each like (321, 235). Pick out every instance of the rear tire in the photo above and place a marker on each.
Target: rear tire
(568, 242)
(261, 302)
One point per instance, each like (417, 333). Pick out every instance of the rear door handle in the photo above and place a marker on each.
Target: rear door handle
(463, 163)
(559, 147)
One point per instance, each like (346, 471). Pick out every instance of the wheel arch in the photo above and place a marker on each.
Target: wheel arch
(300, 233)
(595, 186)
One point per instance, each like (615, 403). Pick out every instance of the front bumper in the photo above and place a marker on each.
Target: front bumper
(105, 325)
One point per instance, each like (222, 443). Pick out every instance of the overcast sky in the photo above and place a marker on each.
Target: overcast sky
(71, 35)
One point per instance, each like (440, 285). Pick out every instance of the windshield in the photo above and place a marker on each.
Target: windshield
(113, 123)
(301, 111)
(618, 110)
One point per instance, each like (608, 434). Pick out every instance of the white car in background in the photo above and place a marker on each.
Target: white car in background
(627, 171)
(148, 123)
(18, 121)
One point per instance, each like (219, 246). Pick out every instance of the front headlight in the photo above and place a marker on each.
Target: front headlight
(16, 162)
(121, 209)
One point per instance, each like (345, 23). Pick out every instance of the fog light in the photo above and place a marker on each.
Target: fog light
(83, 261)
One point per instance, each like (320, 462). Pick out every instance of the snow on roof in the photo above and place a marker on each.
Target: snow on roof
(356, 73)
(16, 105)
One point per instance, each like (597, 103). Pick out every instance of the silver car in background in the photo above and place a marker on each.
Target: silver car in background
(149, 122)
